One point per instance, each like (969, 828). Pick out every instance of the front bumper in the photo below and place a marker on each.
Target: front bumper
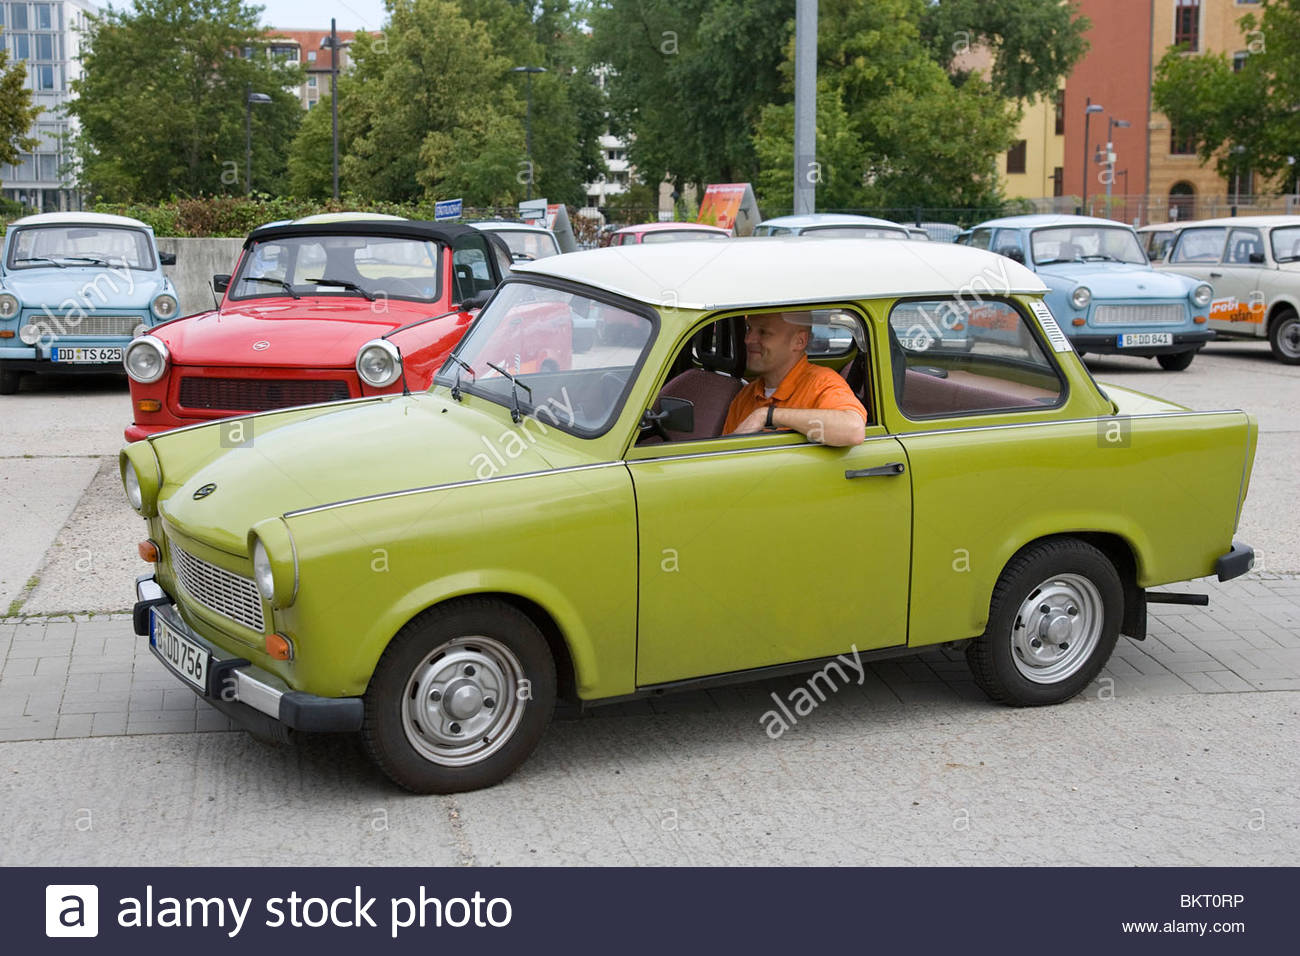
(45, 367)
(1109, 344)
(247, 694)
(1236, 562)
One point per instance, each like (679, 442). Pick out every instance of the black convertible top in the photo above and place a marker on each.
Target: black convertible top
(444, 233)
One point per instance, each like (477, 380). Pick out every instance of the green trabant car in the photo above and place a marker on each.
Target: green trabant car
(437, 570)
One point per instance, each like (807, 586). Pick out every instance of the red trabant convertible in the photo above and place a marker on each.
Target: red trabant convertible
(317, 311)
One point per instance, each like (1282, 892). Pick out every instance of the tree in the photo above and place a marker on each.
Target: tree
(311, 154)
(689, 80)
(16, 110)
(1034, 43)
(895, 129)
(1244, 118)
(162, 98)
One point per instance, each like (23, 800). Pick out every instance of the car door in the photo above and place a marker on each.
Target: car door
(1238, 280)
(1198, 253)
(758, 550)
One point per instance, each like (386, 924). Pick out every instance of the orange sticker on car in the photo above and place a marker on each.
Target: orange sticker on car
(1230, 310)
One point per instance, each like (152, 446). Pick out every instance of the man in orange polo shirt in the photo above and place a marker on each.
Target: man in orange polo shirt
(790, 392)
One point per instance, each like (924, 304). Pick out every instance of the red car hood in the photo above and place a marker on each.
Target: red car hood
(320, 333)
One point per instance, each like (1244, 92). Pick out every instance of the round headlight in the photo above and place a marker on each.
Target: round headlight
(132, 482)
(262, 572)
(1080, 297)
(9, 306)
(145, 359)
(1202, 295)
(379, 363)
(165, 306)
(31, 334)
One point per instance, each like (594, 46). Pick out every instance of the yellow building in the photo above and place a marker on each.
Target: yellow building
(1205, 26)
(1033, 168)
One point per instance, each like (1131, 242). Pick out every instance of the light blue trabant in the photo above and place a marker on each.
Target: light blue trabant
(75, 287)
(1103, 291)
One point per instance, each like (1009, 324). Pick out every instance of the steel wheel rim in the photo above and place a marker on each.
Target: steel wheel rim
(1288, 338)
(461, 703)
(1049, 643)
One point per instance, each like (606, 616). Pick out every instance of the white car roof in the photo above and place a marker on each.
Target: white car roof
(79, 218)
(829, 219)
(504, 226)
(779, 270)
(1257, 222)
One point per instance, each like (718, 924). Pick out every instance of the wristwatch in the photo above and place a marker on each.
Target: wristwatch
(770, 423)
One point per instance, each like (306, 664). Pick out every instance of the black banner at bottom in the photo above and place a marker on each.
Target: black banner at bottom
(725, 910)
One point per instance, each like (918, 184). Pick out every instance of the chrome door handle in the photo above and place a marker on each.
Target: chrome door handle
(880, 471)
(1216, 275)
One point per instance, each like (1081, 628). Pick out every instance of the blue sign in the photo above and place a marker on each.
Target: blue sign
(447, 209)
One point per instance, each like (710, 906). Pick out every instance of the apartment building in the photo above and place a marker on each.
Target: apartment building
(311, 49)
(46, 37)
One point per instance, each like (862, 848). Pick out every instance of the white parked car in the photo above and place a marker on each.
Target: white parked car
(829, 225)
(1253, 262)
(526, 241)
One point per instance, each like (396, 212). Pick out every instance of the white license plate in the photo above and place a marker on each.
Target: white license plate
(86, 356)
(1130, 340)
(187, 659)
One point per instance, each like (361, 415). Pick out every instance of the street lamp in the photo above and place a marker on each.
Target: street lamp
(528, 119)
(333, 44)
(249, 99)
(1087, 117)
(1111, 124)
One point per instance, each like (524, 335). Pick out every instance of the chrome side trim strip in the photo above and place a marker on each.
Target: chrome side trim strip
(450, 484)
(1066, 421)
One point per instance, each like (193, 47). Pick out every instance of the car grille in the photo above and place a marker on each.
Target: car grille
(90, 324)
(1139, 315)
(257, 394)
(228, 594)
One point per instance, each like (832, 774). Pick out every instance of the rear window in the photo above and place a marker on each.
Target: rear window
(955, 357)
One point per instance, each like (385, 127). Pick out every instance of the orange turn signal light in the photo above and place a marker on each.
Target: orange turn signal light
(149, 405)
(1199, 320)
(1080, 321)
(958, 326)
(7, 334)
(279, 647)
(149, 551)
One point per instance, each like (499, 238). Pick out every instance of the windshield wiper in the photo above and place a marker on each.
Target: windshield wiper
(94, 259)
(41, 259)
(1278, 258)
(344, 283)
(455, 389)
(1104, 257)
(280, 282)
(515, 385)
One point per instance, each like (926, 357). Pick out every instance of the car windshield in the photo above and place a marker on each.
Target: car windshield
(530, 332)
(372, 267)
(677, 235)
(1086, 244)
(35, 247)
(529, 245)
(854, 232)
(1286, 244)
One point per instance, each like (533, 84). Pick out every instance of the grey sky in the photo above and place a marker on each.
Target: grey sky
(315, 14)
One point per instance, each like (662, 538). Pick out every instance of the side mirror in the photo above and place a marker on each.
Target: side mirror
(475, 301)
(167, 258)
(675, 415)
(1256, 258)
(1014, 253)
(221, 283)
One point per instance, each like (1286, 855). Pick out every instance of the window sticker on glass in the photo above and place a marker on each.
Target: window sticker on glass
(1054, 334)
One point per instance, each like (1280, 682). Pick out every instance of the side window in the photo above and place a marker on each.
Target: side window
(1245, 247)
(471, 270)
(957, 357)
(1007, 242)
(980, 238)
(1199, 245)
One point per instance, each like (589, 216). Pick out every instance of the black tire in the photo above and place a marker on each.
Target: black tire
(478, 633)
(1284, 338)
(1176, 361)
(9, 380)
(1048, 571)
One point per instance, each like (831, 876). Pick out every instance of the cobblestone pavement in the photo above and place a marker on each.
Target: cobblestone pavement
(85, 676)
